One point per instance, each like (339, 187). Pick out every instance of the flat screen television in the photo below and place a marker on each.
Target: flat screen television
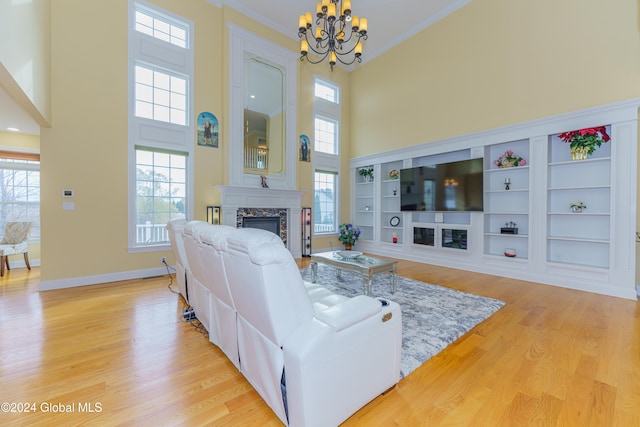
(453, 186)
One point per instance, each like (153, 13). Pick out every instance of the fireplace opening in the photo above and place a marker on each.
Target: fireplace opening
(269, 223)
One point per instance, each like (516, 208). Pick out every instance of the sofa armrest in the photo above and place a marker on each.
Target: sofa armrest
(349, 312)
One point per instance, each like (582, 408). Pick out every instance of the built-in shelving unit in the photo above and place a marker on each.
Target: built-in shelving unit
(391, 218)
(593, 250)
(579, 238)
(506, 201)
(364, 205)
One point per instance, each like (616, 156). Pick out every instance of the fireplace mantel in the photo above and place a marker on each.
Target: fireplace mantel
(233, 198)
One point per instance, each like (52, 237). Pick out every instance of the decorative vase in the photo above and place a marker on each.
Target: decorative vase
(347, 246)
(576, 209)
(511, 164)
(579, 153)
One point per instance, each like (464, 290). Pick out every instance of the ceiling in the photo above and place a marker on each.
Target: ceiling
(14, 116)
(390, 23)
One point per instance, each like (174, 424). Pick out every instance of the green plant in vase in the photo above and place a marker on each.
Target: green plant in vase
(583, 142)
(367, 173)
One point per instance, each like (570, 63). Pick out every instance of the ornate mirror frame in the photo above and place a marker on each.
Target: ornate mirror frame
(241, 41)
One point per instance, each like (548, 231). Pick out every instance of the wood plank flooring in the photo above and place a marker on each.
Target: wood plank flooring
(120, 354)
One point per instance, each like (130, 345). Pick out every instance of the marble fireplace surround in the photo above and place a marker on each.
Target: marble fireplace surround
(238, 201)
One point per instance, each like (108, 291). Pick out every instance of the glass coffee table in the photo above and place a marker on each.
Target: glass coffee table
(365, 265)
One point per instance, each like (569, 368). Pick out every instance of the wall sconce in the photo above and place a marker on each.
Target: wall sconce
(213, 215)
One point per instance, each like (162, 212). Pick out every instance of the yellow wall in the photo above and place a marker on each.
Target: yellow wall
(491, 63)
(495, 63)
(87, 147)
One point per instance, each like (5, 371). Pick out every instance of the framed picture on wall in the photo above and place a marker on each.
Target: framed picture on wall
(305, 148)
(207, 130)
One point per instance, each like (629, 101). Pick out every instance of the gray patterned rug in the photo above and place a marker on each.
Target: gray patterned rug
(432, 316)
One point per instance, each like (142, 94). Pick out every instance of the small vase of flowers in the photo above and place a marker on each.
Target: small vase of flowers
(509, 160)
(348, 235)
(577, 206)
(584, 142)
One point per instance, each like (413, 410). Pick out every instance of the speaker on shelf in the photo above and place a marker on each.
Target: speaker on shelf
(306, 232)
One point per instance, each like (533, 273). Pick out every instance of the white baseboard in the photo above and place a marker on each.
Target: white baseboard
(73, 282)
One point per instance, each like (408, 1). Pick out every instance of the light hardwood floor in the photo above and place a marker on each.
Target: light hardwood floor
(550, 357)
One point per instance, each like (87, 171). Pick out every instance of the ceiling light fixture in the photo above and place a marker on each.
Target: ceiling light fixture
(338, 35)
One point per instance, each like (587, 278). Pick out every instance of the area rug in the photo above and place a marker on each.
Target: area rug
(432, 316)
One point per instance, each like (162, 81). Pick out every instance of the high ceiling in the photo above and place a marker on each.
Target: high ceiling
(389, 24)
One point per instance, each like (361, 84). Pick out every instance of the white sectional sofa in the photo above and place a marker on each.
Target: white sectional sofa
(314, 356)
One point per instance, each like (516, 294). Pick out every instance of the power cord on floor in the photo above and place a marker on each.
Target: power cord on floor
(170, 276)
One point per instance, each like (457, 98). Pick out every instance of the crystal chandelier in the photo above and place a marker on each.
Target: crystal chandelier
(337, 36)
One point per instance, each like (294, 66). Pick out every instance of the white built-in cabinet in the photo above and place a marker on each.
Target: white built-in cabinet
(578, 238)
(592, 250)
(364, 207)
(391, 221)
(506, 201)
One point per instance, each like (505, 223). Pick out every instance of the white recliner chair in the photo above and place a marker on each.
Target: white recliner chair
(224, 329)
(315, 360)
(199, 294)
(175, 227)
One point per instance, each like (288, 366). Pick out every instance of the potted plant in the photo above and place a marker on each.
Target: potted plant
(578, 206)
(584, 142)
(367, 173)
(348, 235)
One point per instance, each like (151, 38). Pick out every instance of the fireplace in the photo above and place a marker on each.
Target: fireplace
(269, 223)
(247, 202)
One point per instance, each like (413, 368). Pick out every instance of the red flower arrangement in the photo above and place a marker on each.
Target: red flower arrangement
(587, 138)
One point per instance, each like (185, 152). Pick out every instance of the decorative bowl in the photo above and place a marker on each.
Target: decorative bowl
(510, 252)
(348, 254)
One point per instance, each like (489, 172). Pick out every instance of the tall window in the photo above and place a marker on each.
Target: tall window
(324, 193)
(326, 135)
(326, 105)
(20, 190)
(160, 96)
(160, 131)
(161, 191)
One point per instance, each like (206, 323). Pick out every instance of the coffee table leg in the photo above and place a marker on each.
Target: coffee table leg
(394, 279)
(314, 271)
(368, 277)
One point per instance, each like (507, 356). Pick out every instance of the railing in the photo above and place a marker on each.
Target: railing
(151, 233)
(256, 158)
(324, 228)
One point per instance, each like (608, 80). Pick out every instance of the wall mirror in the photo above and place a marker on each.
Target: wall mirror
(264, 117)
(262, 111)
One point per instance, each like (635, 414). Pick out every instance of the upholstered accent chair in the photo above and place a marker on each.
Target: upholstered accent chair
(15, 240)
(175, 227)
